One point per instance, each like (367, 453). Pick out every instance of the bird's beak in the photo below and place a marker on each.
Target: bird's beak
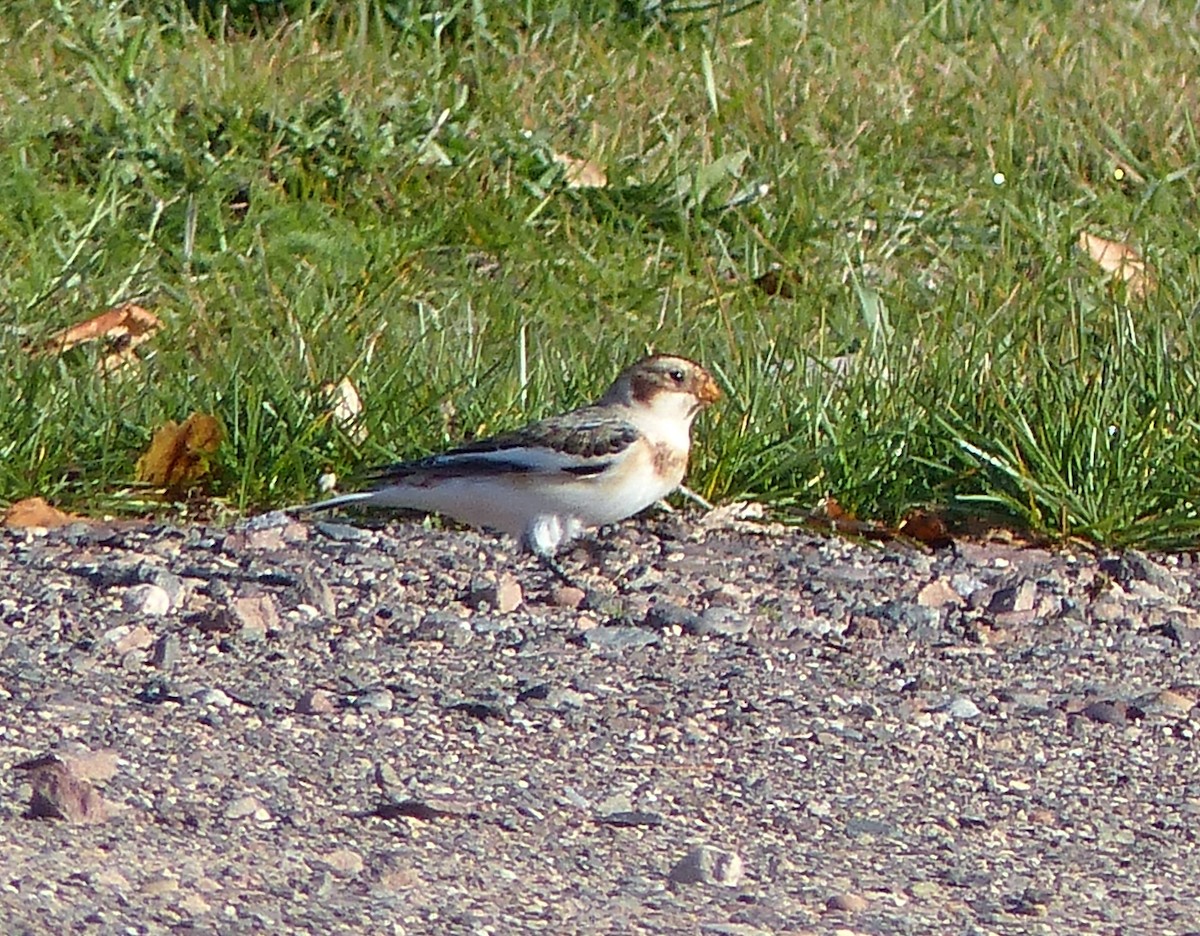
(708, 392)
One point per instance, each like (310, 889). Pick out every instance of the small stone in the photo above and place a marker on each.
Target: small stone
(386, 776)
(565, 698)
(938, 594)
(214, 697)
(139, 638)
(846, 903)
(314, 590)
(85, 764)
(343, 861)
(963, 708)
(1133, 566)
(246, 806)
(120, 639)
(445, 627)
(316, 702)
(253, 616)
(148, 600)
(631, 818)
(618, 802)
(377, 700)
(708, 865)
(508, 594)
(568, 596)
(732, 929)
(166, 652)
(1107, 713)
(111, 877)
(157, 886)
(666, 615)
(195, 905)
(1033, 700)
(1107, 610)
(59, 794)
(503, 595)
(1174, 703)
(1022, 597)
(575, 798)
(169, 582)
(865, 827)
(618, 637)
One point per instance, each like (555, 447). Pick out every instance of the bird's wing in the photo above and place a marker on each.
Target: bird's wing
(581, 443)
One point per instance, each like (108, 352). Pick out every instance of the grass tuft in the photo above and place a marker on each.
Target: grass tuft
(868, 234)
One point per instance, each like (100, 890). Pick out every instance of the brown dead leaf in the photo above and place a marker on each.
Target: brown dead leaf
(35, 512)
(778, 282)
(347, 408)
(1120, 260)
(123, 327)
(178, 455)
(581, 173)
(926, 528)
(830, 515)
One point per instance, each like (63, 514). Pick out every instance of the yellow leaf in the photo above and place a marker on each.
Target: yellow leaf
(122, 327)
(581, 173)
(178, 455)
(35, 512)
(1120, 260)
(347, 408)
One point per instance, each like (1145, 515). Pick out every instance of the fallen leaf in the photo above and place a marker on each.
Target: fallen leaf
(178, 455)
(35, 512)
(1120, 260)
(778, 282)
(830, 515)
(347, 408)
(124, 327)
(581, 173)
(926, 528)
(239, 204)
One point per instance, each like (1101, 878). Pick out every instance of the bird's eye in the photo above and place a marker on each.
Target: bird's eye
(677, 375)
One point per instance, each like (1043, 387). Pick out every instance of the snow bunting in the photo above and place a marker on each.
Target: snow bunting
(543, 484)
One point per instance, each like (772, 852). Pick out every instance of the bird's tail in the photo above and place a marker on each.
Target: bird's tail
(342, 500)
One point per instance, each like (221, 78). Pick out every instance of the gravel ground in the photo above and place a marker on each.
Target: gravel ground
(291, 727)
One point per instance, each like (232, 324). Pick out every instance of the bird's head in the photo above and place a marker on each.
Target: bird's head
(668, 386)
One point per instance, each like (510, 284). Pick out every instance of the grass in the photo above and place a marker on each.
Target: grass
(368, 189)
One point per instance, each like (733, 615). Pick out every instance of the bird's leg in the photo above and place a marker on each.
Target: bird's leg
(694, 497)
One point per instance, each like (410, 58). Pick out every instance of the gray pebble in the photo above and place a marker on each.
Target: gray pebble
(619, 637)
(377, 700)
(961, 707)
(719, 621)
(166, 652)
(146, 600)
(211, 696)
(708, 865)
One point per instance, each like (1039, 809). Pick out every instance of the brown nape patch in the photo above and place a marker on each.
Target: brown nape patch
(669, 461)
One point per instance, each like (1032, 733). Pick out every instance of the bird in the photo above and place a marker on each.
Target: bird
(547, 482)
